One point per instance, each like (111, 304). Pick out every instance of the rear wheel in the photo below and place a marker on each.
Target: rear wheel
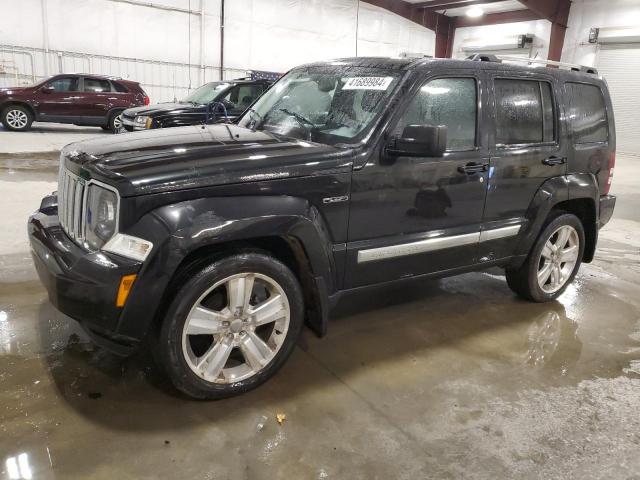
(553, 261)
(115, 122)
(231, 326)
(17, 118)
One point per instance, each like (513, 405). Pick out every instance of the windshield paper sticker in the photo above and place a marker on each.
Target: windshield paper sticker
(367, 83)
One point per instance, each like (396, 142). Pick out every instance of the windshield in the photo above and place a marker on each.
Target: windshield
(327, 104)
(206, 93)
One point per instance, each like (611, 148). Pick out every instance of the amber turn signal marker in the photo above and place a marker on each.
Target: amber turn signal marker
(125, 287)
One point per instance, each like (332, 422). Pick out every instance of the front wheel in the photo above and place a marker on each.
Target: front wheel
(231, 326)
(553, 261)
(17, 118)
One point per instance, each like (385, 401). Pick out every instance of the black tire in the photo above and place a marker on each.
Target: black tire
(111, 124)
(9, 119)
(106, 128)
(524, 280)
(168, 343)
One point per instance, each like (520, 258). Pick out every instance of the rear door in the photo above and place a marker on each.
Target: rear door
(59, 103)
(418, 215)
(95, 99)
(525, 152)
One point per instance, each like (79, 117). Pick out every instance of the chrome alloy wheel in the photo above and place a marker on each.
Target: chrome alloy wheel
(17, 119)
(236, 328)
(558, 259)
(117, 122)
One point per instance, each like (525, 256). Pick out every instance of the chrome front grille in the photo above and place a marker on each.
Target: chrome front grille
(71, 190)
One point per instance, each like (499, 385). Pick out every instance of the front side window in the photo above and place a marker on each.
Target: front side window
(327, 104)
(96, 86)
(446, 101)
(64, 84)
(524, 112)
(587, 113)
(240, 97)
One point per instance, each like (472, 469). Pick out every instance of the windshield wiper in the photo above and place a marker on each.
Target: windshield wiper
(303, 121)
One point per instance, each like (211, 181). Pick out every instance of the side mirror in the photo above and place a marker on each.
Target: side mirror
(47, 89)
(419, 141)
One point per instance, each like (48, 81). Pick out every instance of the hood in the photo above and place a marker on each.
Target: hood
(164, 109)
(10, 90)
(170, 159)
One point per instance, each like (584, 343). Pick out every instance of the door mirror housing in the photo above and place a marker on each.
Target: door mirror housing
(419, 141)
(47, 89)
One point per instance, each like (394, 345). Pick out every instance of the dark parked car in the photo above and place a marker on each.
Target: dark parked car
(88, 100)
(216, 242)
(208, 103)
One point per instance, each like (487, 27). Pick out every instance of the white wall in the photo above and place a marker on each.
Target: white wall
(151, 45)
(586, 14)
(500, 34)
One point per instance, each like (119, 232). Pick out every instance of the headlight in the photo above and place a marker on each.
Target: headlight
(143, 121)
(101, 216)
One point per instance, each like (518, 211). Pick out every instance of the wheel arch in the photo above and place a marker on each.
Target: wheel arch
(189, 234)
(26, 105)
(574, 193)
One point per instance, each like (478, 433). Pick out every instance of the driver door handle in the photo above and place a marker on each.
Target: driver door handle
(473, 167)
(553, 160)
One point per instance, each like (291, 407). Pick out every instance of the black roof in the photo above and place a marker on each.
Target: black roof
(428, 63)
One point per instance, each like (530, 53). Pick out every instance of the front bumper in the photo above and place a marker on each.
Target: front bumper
(607, 204)
(130, 125)
(81, 284)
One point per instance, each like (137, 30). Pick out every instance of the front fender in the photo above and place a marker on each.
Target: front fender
(179, 229)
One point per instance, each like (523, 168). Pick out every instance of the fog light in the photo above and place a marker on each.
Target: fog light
(126, 283)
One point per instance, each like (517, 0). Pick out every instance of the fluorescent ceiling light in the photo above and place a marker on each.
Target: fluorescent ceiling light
(475, 12)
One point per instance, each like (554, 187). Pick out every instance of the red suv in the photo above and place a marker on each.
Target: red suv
(88, 100)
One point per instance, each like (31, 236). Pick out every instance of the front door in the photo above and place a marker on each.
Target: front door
(58, 99)
(411, 216)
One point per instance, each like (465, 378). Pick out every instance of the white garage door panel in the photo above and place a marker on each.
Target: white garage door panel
(620, 66)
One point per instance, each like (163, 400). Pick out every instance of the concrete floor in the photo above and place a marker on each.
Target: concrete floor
(454, 378)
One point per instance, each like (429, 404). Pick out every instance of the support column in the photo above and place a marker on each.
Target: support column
(556, 42)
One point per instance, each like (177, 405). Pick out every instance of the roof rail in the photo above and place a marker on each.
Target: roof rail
(572, 66)
(482, 57)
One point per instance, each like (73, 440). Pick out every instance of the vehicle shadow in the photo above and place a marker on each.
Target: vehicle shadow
(374, 328)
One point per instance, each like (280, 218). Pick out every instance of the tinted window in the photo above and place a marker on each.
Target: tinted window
(65, 84)
(548, 116)
(446, 101)
(524, 112)
(240, 97)
(587, 114)
(95, 85)
(118, 87)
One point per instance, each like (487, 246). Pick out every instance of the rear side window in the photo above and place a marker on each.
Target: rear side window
(446, 101)
(95, 85)
(118, 87)
(587, 113)
(524, 112)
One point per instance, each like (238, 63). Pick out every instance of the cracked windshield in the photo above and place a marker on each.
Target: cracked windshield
(325, 105)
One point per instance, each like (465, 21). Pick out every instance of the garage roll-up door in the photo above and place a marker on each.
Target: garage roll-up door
(620, 66)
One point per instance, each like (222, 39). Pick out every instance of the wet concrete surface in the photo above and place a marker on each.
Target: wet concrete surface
(455, 378)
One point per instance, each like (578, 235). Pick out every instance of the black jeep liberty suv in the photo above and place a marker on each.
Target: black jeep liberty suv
(216, 242)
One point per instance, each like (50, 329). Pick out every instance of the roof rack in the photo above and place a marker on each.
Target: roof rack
(482, 57)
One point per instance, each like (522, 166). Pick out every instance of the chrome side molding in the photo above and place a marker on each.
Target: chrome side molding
(436, 243)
